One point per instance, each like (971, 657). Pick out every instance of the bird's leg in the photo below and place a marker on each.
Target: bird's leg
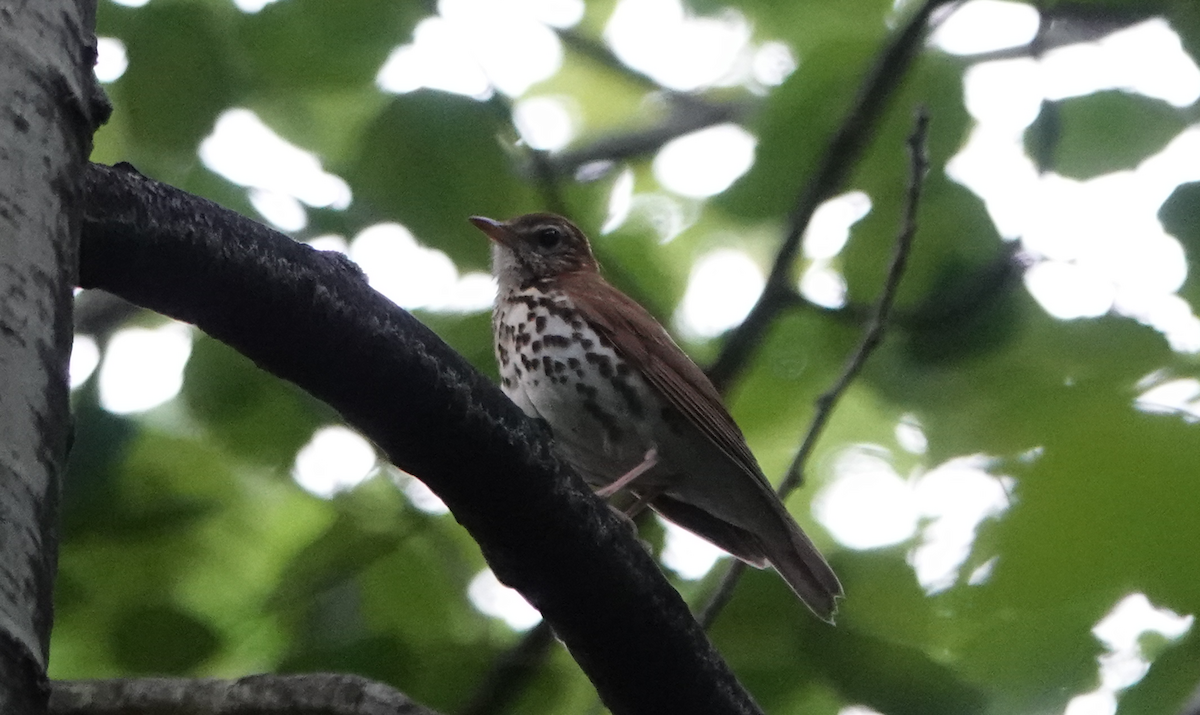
(647, 463)
(643, 501)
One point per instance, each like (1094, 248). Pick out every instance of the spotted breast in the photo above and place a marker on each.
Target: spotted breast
(557, 368)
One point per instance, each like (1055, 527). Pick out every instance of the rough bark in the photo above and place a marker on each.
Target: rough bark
(49, 107)
(310, 317)
(314, 694)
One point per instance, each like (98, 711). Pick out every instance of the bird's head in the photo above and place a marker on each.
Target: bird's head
(535, 247)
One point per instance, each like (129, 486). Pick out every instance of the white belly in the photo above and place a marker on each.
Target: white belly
(593, 402)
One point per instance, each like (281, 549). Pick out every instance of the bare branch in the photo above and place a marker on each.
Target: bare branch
(842, 153)
(918, 167)
(875, 329)
(688, 114)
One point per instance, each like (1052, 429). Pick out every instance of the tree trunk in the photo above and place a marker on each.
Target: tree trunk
(49, 107)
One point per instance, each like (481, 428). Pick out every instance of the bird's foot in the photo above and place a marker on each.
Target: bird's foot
(626, 479)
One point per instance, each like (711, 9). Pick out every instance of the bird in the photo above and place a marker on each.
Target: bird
(628, 409)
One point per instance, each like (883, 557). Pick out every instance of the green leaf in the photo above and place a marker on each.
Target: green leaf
(1180, 216)
(611, 105)
(100, 443)
(382, 658)
(258, 416)
(438, 674)
(1088, 484)
(794, 126)
(973, 306)
(1102, 132)
(774, 401)
(341, 553)
(470, 335)
(1032, 660)
(1185, 19)
(1170, 683)
(953, 229)
(162, 640)
(401, 171)
(180, 78)
(326, 121)
(768, 654)
(300, 45)
(895, 679)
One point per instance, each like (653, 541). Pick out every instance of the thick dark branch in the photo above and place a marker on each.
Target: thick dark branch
(513, 669)
(317, 694)
(918, 167)
(313, 694)
(310, 317)
(839, 159)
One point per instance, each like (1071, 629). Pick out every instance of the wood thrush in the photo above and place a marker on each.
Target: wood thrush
(626, 406)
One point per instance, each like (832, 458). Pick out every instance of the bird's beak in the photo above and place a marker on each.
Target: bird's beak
(494, 229)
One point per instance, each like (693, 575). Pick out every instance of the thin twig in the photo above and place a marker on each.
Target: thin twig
(687, 114)
(842, 153)
(720, 598)
(874, 335)
(918, 166)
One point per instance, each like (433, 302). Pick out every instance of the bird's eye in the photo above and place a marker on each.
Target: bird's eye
(549, 236)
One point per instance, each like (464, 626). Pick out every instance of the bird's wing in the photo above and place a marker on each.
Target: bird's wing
(639, 338)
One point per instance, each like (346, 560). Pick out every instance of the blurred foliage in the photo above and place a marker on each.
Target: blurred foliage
(1129, 128)
(188, 548)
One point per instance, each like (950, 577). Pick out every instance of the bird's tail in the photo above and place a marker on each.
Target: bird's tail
(787, 549)
(806, 572)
